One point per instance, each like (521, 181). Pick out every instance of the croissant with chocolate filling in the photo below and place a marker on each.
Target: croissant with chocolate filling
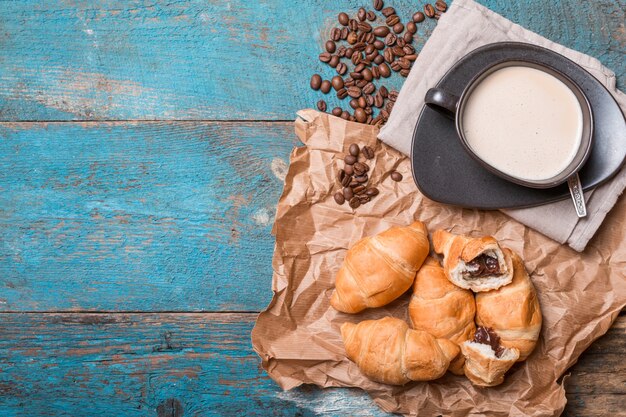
(512, 311)
(388, 351)
(378, 269)
(486, 360)
(477, 264)
(441, 308)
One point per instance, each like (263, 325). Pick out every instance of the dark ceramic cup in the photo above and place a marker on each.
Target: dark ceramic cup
(453, 106)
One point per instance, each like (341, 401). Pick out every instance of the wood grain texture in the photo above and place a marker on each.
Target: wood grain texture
(234, 60)
(201, 364)
(139, 217)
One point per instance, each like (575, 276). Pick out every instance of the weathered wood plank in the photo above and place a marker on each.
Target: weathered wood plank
(97, 60)
(201, 363)
(139, 217)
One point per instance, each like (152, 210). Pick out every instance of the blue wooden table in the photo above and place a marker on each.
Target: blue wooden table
(142, 152)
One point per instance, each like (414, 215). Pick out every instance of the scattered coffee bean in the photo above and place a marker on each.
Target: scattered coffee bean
(405, 72)
(360, 83)
(342, 93)
(335, 34)
(371, 16)
(336, 111)
(339, 198)
(354, 92)
(381, 31)
(411, 27)
(390, 39)
(429, 10)
(349, 159)
(362, 103)
(388, 11)
(343, 18)
(352, 38)
(354, 103)
(342, 68)
(325, 86)
(353, 25)
(385, 72)
(408, 37)
(345, 115)
(337, 82)
(355, 202)
(418, 17)
(361, 178)
(369, 88)
(348, 193)
(361, 14)
(359, 188)
(325, 57)
(372, 191)
(354, 149)
(378, 4)
(396, 176)
(441, 6)
(330, 46)
(397, 28)
(344, 34)
(349, 169)
(334, 61)
(321, 105)
(341, 175)
(316, 82)
(364, 198)
(392, 20)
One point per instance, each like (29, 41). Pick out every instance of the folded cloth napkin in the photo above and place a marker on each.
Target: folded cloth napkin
(464, 27)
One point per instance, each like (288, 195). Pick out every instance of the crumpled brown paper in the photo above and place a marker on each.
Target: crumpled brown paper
(298, 335)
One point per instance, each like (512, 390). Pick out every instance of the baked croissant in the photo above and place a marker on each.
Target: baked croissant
(441, 308)
(388, 351)
(477, 264)
(486, 361)
(512, 311)
(378, 269)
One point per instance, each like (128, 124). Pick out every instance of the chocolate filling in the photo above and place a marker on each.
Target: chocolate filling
(486, 336)
(483, 265)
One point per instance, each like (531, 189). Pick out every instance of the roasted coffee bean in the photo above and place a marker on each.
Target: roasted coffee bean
(354, 149)
(337, 82)
(357, 57)
(365, 27)
(353, 183)
(359, 188)
(358, 68)
(437, 15)
(321, 105)
(367, 74)
(334, 60)
(339, 198)
(364, 199)
(356, 75)
(371, 16)
(347, 193)
(352, 38)
(372, 191)
(398, 51)
(361, 83)
(371, 57)
(396, 176)
(345, 115)
(325, 57)
(411, 27)
(370, 100)
(376, 121)
(341, 175)
(361, 14)
(411, 57)
(369, 88)
(352, 119)
(381, 31)
(401, 42)
(385, 114)
(325, 87)
(354, 92)
(405, 72)
(398, 27)
(366, 62)
(379, 45)
(384, 70)
(345, 181)
(342, 93)
(316, 82)
(349, 52)
(393, 95)
(390, 39)
(392, 20)
(395, 66)
(335, 34)
(343, 18)
(389, 106)
(369, 49)
(361, 178)
(349, 159)
(355, 202)
(370, 38)
(368, 111)
(383, 91)
(348, 82)
(354, 103)
(359, 168)
(341, 51)
(408, 37)
(389, 56)
(408, 49)
(348, 168)
(379, 59)
(429, 10)
(353, 25)
(342, 68)
(344, 33)
(367, 167)
(404, 63)
(378, 101)
(418, 17)
(362, 102)
(375, 73)
(330, 46)
(336, 111)
(378, 4)
(388, 11)
(360, 117)
(441, 5)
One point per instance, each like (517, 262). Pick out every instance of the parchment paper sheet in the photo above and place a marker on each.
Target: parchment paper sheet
(298, 335)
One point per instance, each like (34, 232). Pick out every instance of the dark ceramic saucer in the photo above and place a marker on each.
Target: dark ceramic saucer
(445, 172)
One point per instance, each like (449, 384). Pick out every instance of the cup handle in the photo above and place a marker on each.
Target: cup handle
(442, 101)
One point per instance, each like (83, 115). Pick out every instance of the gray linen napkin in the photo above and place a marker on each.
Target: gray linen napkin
(463, 28)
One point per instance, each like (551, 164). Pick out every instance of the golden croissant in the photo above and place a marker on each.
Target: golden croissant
(378, 269)
(388, 351)
(441, 308)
